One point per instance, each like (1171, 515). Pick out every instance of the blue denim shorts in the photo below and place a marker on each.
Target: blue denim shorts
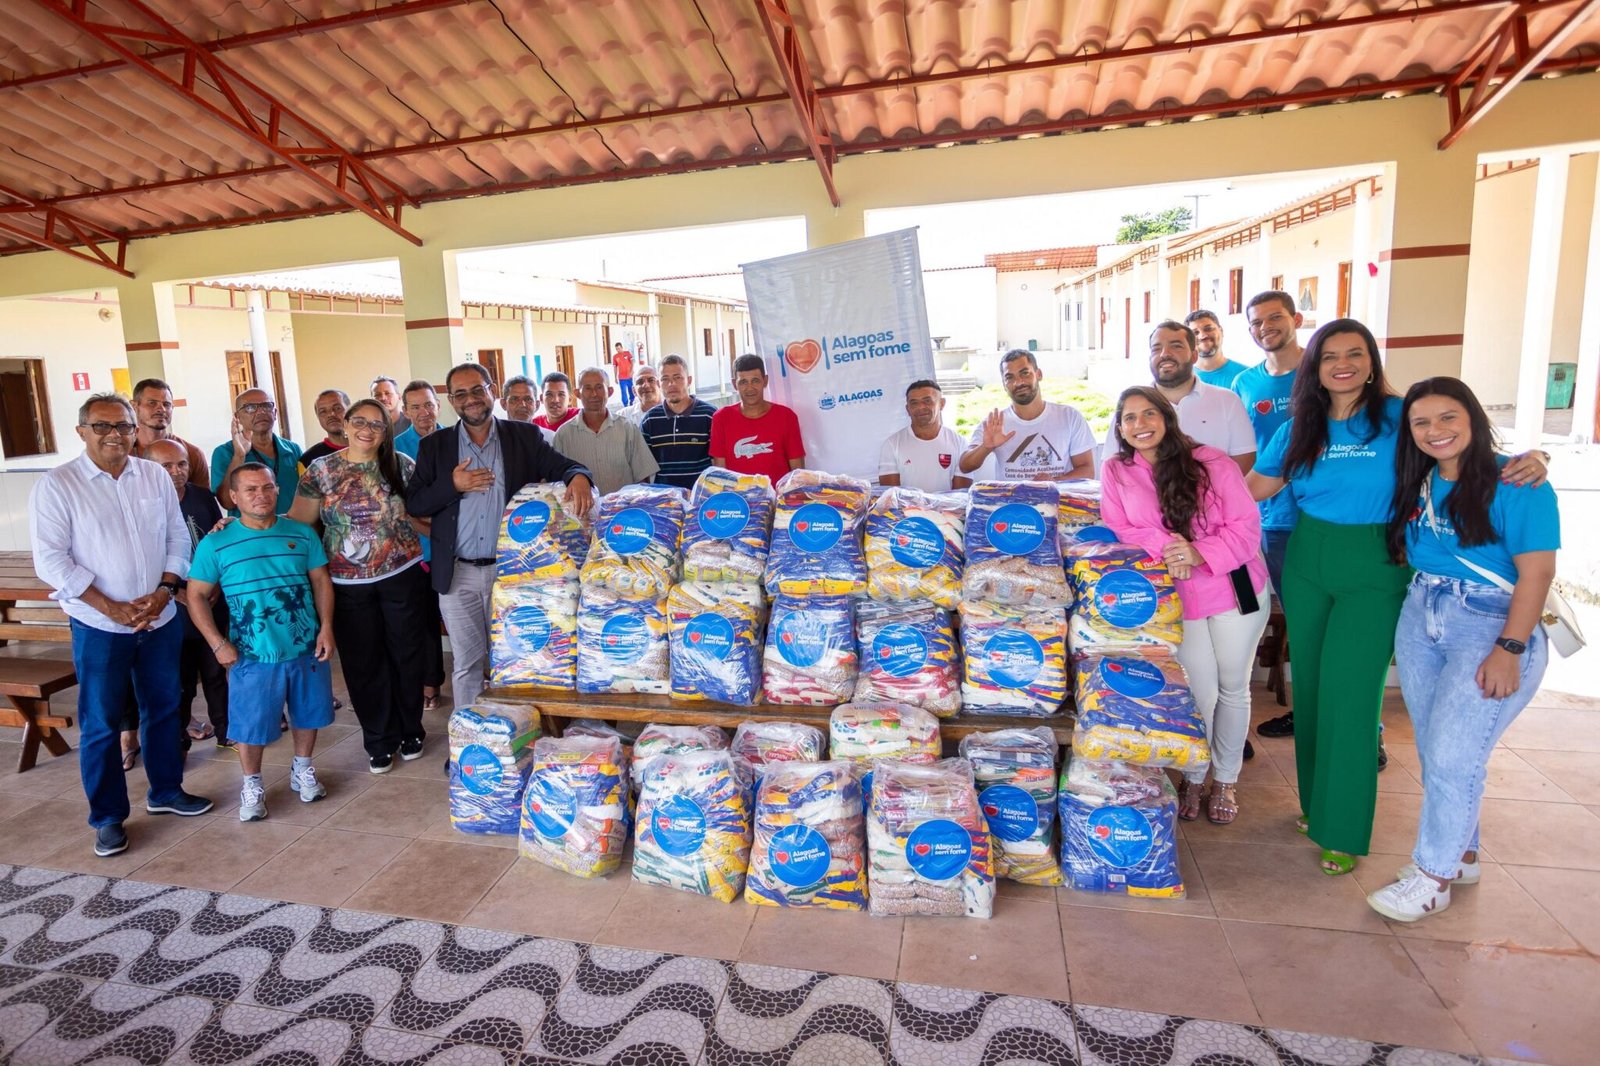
(258, 693)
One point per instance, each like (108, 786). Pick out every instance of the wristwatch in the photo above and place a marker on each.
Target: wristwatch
(170, 586)
(1511, 644)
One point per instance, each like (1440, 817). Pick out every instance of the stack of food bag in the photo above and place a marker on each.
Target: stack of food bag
(574, 812)
(810, 658)
(490, 759)
(1126, 600)
(1079, 514)
(928, 843)
(655, 740)
(809, 848)
(865, 733)
(757, 745)
(715, 632)
(1138, 708)
(623, 644)
(816, 535)
(1016, 660)
(1013, 549)
(533, 633)
(693, 826)
(907, 653)
(915, 546)
(727, 528)
(1015, 772)
(1119, 829)
(539, 538)
(637, 536)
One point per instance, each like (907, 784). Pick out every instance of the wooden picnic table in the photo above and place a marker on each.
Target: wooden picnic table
(26, 684)
(26, 610)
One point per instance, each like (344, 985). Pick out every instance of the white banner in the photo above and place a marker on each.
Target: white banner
(844, 330)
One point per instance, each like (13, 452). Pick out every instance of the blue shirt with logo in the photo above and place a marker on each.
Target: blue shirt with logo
(1223, 376)
(1352, 482)
(1525, 519)
(1266, 401)
(265, 576)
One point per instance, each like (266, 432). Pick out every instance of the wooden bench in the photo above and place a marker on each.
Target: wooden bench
(28, 684)
(26, 610)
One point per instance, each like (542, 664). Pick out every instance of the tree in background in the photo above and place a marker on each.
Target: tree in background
(1142, 227)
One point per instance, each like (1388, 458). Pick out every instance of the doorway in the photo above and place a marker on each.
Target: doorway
(1127, 327)
(242, 376)
(1343, 306)
(25, 428)
(493, 360)
(565, 362)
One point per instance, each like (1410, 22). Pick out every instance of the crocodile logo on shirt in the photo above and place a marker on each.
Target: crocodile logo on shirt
(749, 448)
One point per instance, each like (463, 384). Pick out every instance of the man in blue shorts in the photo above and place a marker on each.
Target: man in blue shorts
(274, 575)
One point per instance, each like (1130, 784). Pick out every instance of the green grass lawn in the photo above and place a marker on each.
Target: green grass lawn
(974, 406)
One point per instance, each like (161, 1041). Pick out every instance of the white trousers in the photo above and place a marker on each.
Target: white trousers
(465, 609)
(1218, 653)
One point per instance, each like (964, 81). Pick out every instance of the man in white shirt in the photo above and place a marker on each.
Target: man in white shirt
(1032, 440)
(109, 537)
(647, 393)
(923, 455)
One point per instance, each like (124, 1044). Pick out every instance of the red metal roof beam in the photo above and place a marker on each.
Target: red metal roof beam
(86, 237)
(802, 87)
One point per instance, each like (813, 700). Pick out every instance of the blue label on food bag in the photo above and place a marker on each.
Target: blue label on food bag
(527, 629)
(724, 515)
(1012, 813)
(800, 856)
(1125, 598)
(528, 521)
(629, 531)
(815, 527)
(916, 543)
(802, 638)
(899, 650)
(1015, 529)
(1120, 836)
(1014, 658)
(551, 806)
(1133, 678)
(938, 850)
(709, 635)
(679, 826)
(481, 769)
(1095, 535)
(624, 639)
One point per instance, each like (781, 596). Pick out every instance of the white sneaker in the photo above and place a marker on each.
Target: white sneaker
(1467, 873)
(252, 803)
(1415, 898)
(307, 785)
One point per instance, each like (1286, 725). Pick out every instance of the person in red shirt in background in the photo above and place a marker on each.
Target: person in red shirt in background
(622, 363)
(758, 436)
(558, 409)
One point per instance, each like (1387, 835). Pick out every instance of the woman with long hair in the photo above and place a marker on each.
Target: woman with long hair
(1469, 648)
(379, 587)
(1187, 504)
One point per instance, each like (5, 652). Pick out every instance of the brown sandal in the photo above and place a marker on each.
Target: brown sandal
(1224, 805)
(1189, 800)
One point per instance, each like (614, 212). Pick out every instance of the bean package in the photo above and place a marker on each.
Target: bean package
(491, 755)
(574, 812)
(693, 827)
(915, 546)
(727, 528)
(928, 843)
(809, 845)
(816, 535)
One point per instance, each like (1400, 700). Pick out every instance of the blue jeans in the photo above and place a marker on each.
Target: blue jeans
(1447, 627)
(625, 387)
(1276, 543)
(108, 665)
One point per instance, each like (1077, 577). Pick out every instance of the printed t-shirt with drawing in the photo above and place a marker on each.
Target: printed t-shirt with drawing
(1041, 448)
(1223, 376)
(1266, 401)
(364, 524)
(757, 445)
(1352, 482)
(1525, 519)
(928, 465)
(264, 575)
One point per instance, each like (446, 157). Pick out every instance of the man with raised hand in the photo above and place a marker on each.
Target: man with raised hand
(923, 455)
(1033, 439)
(254, 415)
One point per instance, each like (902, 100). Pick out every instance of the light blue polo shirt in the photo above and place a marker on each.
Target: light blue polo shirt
(286, 469)
(1352, 482)
(1525, 519)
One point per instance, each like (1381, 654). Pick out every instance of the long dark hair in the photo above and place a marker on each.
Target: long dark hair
(388, 458)
(1181, 479)
(1311, 405)
(1467, 507)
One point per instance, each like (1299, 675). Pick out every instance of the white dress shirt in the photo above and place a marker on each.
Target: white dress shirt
(117, 534)
(1209, 414)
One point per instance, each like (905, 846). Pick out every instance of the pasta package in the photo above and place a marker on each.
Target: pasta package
(810, 657)
(809, 846)
(928, 844)
(540, 540)
(533, 635)
(816, 535)
(623, 645)
(574, 812)
(758, 745)
(1015, 773)
(716, 642)
(1124, 848)
(1138, 709)
(636, 541)
(915, 546)
(491, 755)
(1013, 548)
(693, 829)
(1126, 600)
(655, 740)
(907, 653)
(1016, 660)
(727, 528)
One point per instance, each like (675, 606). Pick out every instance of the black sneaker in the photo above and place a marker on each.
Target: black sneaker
(110, 840)
(186, 805)
(411, 748)
(381, 764)
(1281, 726)
(1249, 751)
(1383, 756)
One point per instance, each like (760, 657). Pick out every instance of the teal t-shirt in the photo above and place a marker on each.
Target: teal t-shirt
(286, 470)
(1352, 483)
(1223, 376)
(265, 575)
(1266, 401)
(1526, 520)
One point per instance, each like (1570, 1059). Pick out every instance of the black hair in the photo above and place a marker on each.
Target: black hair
(1181, 327)
(149, 383)
(557, 377)
(1311, 406)
(1018, 353)
(923, 384)
(233, 475)
(479, 367)
(1268, 297)
(388, 458)
(344, 397)
(750, 361)
(1194, 316)
(1181, 480)
(417, 386)
(1467, 507)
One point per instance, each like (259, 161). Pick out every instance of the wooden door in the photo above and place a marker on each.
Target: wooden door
(241, 375)
(493, 360)
(1127, 327)
(605, 345)
(565, 362)
(1343, 306)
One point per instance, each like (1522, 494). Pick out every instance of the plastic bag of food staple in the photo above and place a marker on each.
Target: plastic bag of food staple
(716, 641)
(810, 658)
(1126, 849)
(728, 527)
(540, 540)
(1125, 599)
(655, 740)
(491, 753)
(693, 828)
(757, 745)
(915, 546)
(1079, 514)
(574, 813)
(635, 549)
(1120, 783)
(533, 637)
(622, 644)
(809, 846)
(928, 845)
(1015, 660)
(1013, 551)
(816, 535)
(1015, 771)
(864, 733)
(1138, 709)
(907, 653)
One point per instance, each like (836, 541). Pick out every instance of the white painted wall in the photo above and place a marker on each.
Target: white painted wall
(71, 338)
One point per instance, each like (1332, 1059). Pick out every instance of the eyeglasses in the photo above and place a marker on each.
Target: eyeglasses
(477, 392)
(359, 423)
(165, 405)
(252, 408)
(105, 429)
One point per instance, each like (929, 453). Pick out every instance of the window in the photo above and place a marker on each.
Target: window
(1236, 291)
(1148, 295)
(1277, 282)
(1194, 294)
(25, 428)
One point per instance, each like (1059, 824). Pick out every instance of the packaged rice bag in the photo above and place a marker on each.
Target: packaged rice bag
(810, 842)
(716, 635)
(533, 636)
(540, 540)
(693, 828)
(1138, 709)
(907, 653)
(1125, 599)
(1013, 550)
(915, 546)
(1015, 660)
(816, 535)
(810, 657)
(491, 754)
(655, 740)
(757, 745)
(636, 540)
(574, 811)
(623, 644)
(864, 733)
(1129, 849)
(728, 527)
(928, 844)
(1015, 771)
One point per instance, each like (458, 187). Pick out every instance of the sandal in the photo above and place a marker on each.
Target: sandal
(1302, 825)
(430, 700)
(201, 731)
(1224, 805)
(1189, 800)
(130, 757)
(1337, 863)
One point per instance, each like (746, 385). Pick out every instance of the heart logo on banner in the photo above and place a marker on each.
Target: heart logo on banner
(803, 355)
(1001, 527)
(923, 849)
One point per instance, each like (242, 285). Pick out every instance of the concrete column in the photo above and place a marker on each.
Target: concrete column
(1362, 252)
(527, 342)
(652, 331)
(1538, 316)
(260, 348)
(435, 340)
(150, 331)
(834, 225)
(1585, 418)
